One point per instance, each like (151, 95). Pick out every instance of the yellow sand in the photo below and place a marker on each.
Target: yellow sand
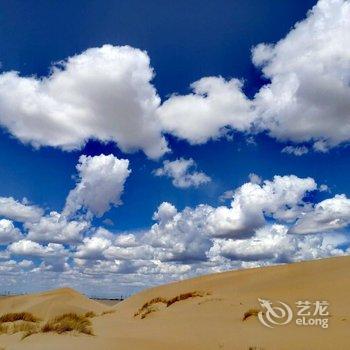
(211, 321)
(50, 304)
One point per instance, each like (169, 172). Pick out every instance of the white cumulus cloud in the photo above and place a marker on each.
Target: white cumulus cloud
(56, 228)
(308, 98)
(273, 244)
(100, 184)
(103, 93)
(328, 215)
(205, 114)
(182, 173)
(29, 248)
(8, 232)
(19, 211)
(282, 199)
(54, 256)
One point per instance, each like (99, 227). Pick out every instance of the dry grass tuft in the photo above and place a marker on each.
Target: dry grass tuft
(107, 312)
(148, 311)
(18, 316)
(18, 322)
(185, 296)
(4, 328)
(26, 327)
(68, 323)
(90, 314)
(148, 307)
(210, 300)
(143, 309)
(26, 323)
(249, 313)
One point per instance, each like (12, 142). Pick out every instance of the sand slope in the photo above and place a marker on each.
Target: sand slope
(49, 304)
(212, 321)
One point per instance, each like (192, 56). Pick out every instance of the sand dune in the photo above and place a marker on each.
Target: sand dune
(201, 313)
(52, 303)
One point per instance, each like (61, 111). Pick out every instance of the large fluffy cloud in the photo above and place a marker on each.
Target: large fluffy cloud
(56, 228)
(8, 232)
(177, 237)
(19, 211)
(308, 98)
(282, 199)
(328, 215)
(29, 248)
(273, 244)
(54, 256)
(182, 173)
(182, 236)
(103, 93)
(93, 247)
(204, 114)
(100, 185)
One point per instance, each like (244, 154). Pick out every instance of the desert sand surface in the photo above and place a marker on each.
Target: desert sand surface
(108, 302)
(210, 316)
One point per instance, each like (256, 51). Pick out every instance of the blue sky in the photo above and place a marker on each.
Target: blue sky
(182, 42)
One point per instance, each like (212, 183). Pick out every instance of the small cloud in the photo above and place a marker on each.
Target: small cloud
(26, 264)
(255, 179)
(182, 172)
(108, 222)
(324, 188)
(295, 150)
(321, 146)
(251, 141)
(227, 195)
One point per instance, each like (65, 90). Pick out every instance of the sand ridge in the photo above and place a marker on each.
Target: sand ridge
(50, 303)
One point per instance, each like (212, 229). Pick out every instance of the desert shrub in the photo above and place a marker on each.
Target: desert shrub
(64, 323)
(249, 313)
(148, 311)
(148, 304)
(107, 312)
(90, 314)
(184, 296)
(18, 316)
(28, 328)
(67, 323)
(205, 301)
(23, 327)
(147, 307)
(4, 328)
